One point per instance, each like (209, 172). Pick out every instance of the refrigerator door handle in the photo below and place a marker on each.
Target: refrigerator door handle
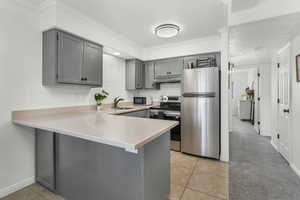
(200, 94)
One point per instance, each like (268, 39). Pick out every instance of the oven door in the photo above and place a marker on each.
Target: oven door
(176, 131)
(175, 134)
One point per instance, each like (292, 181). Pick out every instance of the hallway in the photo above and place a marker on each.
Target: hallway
(257, 170)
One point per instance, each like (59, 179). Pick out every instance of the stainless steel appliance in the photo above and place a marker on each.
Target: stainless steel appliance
(169, 109)
(200, 122)
(140, 100)
(143, 100)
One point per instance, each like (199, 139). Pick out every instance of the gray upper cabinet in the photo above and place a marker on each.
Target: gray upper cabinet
(92, 70)
(135, 74)
(70, 59)
(149, 76)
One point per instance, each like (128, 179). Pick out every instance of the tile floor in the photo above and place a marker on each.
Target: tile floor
(195, 178)
(192, 178)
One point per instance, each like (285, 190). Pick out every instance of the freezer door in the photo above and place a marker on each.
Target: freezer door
(200, 80)
(200, 126)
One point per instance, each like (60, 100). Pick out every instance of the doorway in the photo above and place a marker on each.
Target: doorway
(245, 95)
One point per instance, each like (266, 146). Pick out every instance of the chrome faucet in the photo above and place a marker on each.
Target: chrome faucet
(116, 101)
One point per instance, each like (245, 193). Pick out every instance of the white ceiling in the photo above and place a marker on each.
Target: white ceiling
(136, 19)
(259, 39)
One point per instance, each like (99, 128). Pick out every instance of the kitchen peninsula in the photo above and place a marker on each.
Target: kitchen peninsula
(85, 154)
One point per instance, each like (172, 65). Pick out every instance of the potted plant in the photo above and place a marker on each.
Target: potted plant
(99, 97)
(249, 92)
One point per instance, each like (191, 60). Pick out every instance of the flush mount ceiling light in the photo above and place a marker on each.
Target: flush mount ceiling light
(167, 30)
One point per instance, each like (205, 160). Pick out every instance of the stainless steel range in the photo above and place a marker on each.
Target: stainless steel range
(169, 109)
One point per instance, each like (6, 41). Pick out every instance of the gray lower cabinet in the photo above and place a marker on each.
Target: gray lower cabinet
(78, 169)
(70, 59)
(45, 162)
(141, 114)
(135, 74)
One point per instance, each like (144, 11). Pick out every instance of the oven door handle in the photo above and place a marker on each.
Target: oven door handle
(172, 114)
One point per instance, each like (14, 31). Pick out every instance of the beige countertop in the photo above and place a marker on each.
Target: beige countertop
(104, 126)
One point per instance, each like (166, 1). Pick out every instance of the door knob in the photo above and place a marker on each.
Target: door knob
(286, 110)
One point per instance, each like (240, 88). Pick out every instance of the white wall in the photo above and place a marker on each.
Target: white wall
(225, 96)
(21, 88)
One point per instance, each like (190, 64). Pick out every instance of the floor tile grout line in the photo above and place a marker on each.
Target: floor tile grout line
(206, 193)
(185, 187)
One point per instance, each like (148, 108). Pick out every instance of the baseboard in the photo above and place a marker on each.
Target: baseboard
(296, 170)
(274, 145)
(17, 186)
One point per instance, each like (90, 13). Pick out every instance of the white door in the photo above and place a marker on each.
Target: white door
(283, 101)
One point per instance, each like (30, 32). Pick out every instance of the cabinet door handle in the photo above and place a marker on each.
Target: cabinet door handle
(286, 110)
(84, 79)
(169, 72)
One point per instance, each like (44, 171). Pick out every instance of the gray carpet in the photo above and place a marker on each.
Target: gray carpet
(257, 170)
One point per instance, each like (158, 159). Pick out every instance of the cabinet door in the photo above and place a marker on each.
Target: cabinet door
(149, 75)
(92, 68)
(139, 78)
(45, 165)
(169, 67)
(130, 75)
(70, 58)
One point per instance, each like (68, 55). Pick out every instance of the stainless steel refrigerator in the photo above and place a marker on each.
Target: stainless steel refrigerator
(200, 118)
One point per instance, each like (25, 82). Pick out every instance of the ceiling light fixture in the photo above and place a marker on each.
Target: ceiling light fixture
(117, 53)
(167, 30)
